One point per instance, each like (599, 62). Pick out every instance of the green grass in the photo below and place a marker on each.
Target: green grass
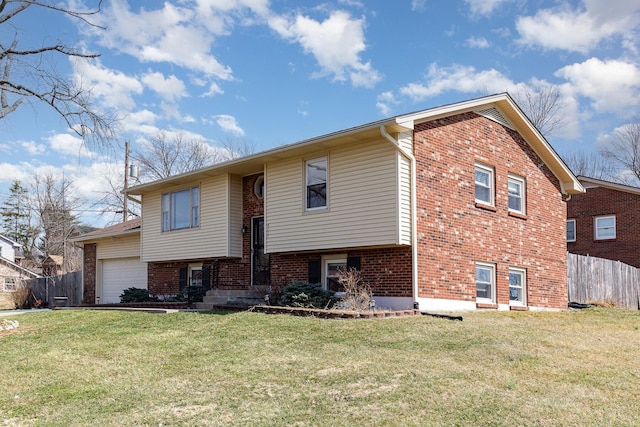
(78, 368)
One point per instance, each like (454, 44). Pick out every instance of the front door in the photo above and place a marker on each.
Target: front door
(259, 260)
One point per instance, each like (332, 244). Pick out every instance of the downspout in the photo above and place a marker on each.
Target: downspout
(414, 211)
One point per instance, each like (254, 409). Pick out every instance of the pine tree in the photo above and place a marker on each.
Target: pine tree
(16, 218)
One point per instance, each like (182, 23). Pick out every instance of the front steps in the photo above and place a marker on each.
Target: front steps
(233, 298)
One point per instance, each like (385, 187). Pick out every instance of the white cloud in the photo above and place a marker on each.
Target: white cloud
(214, 90)
(479, 42)
(581, 29)
(33, 148)
(484, 7)
(114, 88)
(170, 88)
(611, 85)
(385, 103)
(418, 5)
(229, 124)
(336, 43)
(465, 79)
(68, 144)
(12, 172)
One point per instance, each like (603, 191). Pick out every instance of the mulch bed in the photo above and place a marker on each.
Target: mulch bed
(332, 314)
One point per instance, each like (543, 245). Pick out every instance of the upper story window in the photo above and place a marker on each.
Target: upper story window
(10, 284)
(605, 227)
(485, 282)
(181, 209)
(571, 230)
(316, 183)
(517, 193)
(258, 187)
(484, 184)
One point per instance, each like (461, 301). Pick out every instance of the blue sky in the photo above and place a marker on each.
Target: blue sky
(280, 71)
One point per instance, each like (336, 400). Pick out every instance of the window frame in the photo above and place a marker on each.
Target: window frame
(169, 209)
(522, 182)
(326, 261)
(6, 286)
(596, 228)
(572, 221)
(491, 187)
(492, 282)
(307, 184)
(523, 286)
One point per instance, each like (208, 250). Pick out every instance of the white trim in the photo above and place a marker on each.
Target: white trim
(326, 184)
(492, 281)
(523, 272)
(333, 258)
(575, 230)
(523, 192)
(492, 183)
(596, 235)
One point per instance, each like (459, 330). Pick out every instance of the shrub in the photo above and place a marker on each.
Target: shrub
(309, 295)
(357, 293)
(189, 294)
(136, 295)
(21, 297)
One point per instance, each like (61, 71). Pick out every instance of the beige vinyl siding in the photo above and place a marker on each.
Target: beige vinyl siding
(404, 190)
(119, 247)
(363, 201)
(405, 140)
(210, 239)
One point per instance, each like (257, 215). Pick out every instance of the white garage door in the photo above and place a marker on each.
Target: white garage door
(120, 274)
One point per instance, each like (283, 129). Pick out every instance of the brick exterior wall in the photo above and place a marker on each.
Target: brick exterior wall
(454, 234)
(601, 201)
(89, 274)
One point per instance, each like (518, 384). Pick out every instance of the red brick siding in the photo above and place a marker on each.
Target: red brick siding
(89, 274)
(602, 201)
(387, 271)
(453, 234)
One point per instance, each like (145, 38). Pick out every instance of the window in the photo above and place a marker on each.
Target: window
(258, 187)
(484, 184)
(181, 209)
(485, 282)
(605, 227)
(332, 269)
(10, 284)
(517, 282)
(316, 184)
(517, 191)
(571, 230)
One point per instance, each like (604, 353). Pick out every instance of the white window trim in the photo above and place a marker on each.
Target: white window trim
(523, 272)
(15, 283)
(192, 268)
(259, 184)
(596, 235)
(191, 209)
(492, 267)
(328, 259)
(491, 187)
(574, 230)
(306, 180)
(523, 193)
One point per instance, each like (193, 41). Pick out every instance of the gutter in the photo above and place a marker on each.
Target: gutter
(414, 210)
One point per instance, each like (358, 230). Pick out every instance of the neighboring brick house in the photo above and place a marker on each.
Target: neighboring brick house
(454, 208)
(604, 222)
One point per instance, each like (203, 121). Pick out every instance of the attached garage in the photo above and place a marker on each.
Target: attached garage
(120, 274)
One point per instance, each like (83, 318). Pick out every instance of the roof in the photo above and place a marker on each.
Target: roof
(19, 268)
(589, 182)
(127, 227)
(11, 242)
(508, 112)
(57, 259)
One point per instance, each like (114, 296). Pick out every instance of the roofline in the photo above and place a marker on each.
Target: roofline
(86, 238)
(9, 240)
(18, 266)
(608, 184)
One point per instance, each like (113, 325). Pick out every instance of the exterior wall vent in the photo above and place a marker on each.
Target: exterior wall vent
(495, 115)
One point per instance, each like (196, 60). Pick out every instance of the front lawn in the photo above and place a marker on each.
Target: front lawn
(514, 369)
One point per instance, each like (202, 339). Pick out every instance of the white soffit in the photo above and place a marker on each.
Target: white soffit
(494, 114)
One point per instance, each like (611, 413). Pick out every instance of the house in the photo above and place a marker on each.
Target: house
(603, 222)
(458, 207)
(112, 262)
(52, 265)
(12, 273)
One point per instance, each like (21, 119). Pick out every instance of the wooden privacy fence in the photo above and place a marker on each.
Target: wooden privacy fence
(67, 285)
(598, 280)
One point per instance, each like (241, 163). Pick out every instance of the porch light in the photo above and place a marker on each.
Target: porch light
(244, 229)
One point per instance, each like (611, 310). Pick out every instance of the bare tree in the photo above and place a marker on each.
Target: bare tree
(27, 73)
(592, 165)
(53, 202)
(543, 107)
(167, 155)
(238, 147)
(623, 149)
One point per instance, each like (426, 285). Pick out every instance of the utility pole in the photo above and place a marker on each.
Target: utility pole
(125, 211)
